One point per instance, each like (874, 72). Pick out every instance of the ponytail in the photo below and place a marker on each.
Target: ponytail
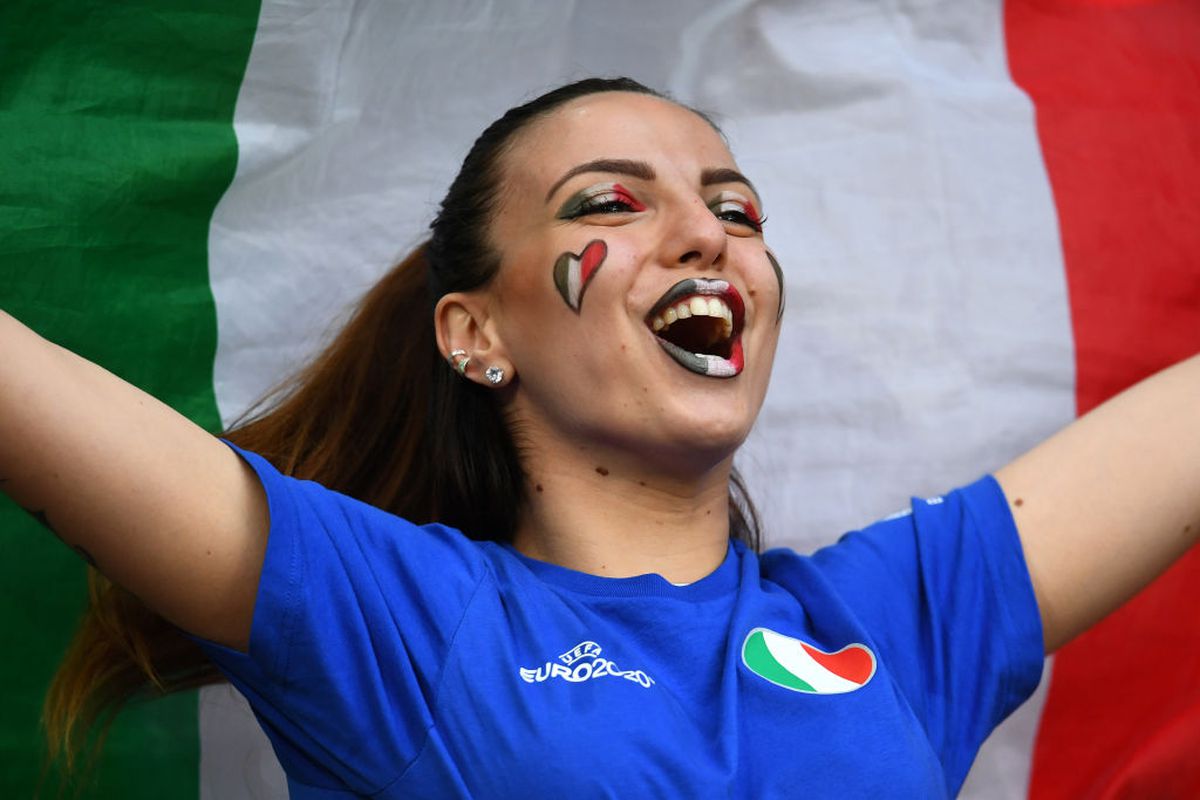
(355, 419)
(380, 417)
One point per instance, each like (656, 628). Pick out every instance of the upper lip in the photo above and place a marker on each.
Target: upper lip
(704, 287)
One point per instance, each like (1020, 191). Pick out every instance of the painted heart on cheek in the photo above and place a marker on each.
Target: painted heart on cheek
(572, 272)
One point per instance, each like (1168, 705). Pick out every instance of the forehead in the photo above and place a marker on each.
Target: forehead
(616, 125)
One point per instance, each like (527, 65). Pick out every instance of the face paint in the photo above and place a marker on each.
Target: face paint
(705, 364)
(701, 297)
(604, 198)
(779, 277)
(573, 273)
(732, 207)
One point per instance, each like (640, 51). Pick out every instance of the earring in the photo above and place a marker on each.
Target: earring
(495, 375)
(459, 359)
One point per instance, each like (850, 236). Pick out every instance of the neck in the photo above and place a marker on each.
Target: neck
(611, 516)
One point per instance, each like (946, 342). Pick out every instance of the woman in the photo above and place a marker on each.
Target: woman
(604, 318)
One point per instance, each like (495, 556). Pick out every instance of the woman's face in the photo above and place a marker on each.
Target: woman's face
(635, 297)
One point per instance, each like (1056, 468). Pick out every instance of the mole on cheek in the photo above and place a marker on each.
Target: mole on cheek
(538, 487)
(602, 470)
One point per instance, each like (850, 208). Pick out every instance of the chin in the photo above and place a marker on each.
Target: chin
(708, 432)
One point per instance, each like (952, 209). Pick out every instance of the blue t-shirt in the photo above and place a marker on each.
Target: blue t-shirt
(392, 660)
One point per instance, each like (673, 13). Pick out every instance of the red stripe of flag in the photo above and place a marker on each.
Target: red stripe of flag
(1116, 87)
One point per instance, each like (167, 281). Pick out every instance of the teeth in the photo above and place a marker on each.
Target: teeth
(695, 307)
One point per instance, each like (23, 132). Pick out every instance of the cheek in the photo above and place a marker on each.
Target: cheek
(564, 302)
(765, 286)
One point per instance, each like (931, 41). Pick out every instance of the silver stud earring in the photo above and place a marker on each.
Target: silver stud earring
(458, 360)
(495, 375)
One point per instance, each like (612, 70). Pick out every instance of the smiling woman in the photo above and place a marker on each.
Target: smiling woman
(630, 209)
(491, 543)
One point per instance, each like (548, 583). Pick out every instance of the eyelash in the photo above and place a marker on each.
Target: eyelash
(613, 200)
(739, 213)
(605, 204)
(617, 200)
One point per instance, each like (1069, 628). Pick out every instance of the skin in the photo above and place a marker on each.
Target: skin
(595, 195)
(660, 436)
(167, 511)
(1110, 501)
(175, 517)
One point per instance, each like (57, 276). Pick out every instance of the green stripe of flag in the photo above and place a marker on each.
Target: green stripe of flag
(761, 660)
(116, 142)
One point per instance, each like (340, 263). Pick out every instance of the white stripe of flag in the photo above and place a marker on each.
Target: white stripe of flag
(927, 337)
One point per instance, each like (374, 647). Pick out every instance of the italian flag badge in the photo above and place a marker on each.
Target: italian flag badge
(801, 667)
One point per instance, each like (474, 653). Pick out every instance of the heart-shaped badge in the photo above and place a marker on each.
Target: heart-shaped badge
(801, 667)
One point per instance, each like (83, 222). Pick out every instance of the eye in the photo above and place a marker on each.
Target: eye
(605, 204)
(609, 198)
(737, 210)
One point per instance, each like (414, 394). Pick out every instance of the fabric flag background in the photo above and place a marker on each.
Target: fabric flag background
(988, 214)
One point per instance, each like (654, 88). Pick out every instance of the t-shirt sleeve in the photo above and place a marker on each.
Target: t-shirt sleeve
(355, 612)
(946, 596)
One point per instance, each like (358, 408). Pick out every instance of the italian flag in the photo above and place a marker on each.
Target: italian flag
(988, 214)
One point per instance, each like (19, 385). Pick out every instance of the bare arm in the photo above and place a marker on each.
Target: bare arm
(158, 504)
(1109, 502)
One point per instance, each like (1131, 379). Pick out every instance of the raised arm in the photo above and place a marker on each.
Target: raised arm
(155, 502)
(1109, 502)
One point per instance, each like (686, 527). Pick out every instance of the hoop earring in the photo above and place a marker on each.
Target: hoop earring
(458, 360)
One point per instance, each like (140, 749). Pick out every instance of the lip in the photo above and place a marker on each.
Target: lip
(706, 364)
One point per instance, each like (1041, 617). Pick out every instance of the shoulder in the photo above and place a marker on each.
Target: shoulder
(975, 513)
(305, 514)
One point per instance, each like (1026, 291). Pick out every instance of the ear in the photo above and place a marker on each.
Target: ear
(462, 321)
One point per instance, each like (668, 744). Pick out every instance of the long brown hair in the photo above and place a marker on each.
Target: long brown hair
(378, 416)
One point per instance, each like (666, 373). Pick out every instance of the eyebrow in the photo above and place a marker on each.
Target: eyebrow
(726, 175)
(621, 166)
(640, 169)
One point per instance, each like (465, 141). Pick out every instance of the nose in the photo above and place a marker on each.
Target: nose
(697, 238)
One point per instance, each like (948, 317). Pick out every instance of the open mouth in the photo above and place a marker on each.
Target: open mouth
(698, 322)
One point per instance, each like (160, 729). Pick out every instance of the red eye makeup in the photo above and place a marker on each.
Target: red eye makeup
(604, 198)
(733, 207)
